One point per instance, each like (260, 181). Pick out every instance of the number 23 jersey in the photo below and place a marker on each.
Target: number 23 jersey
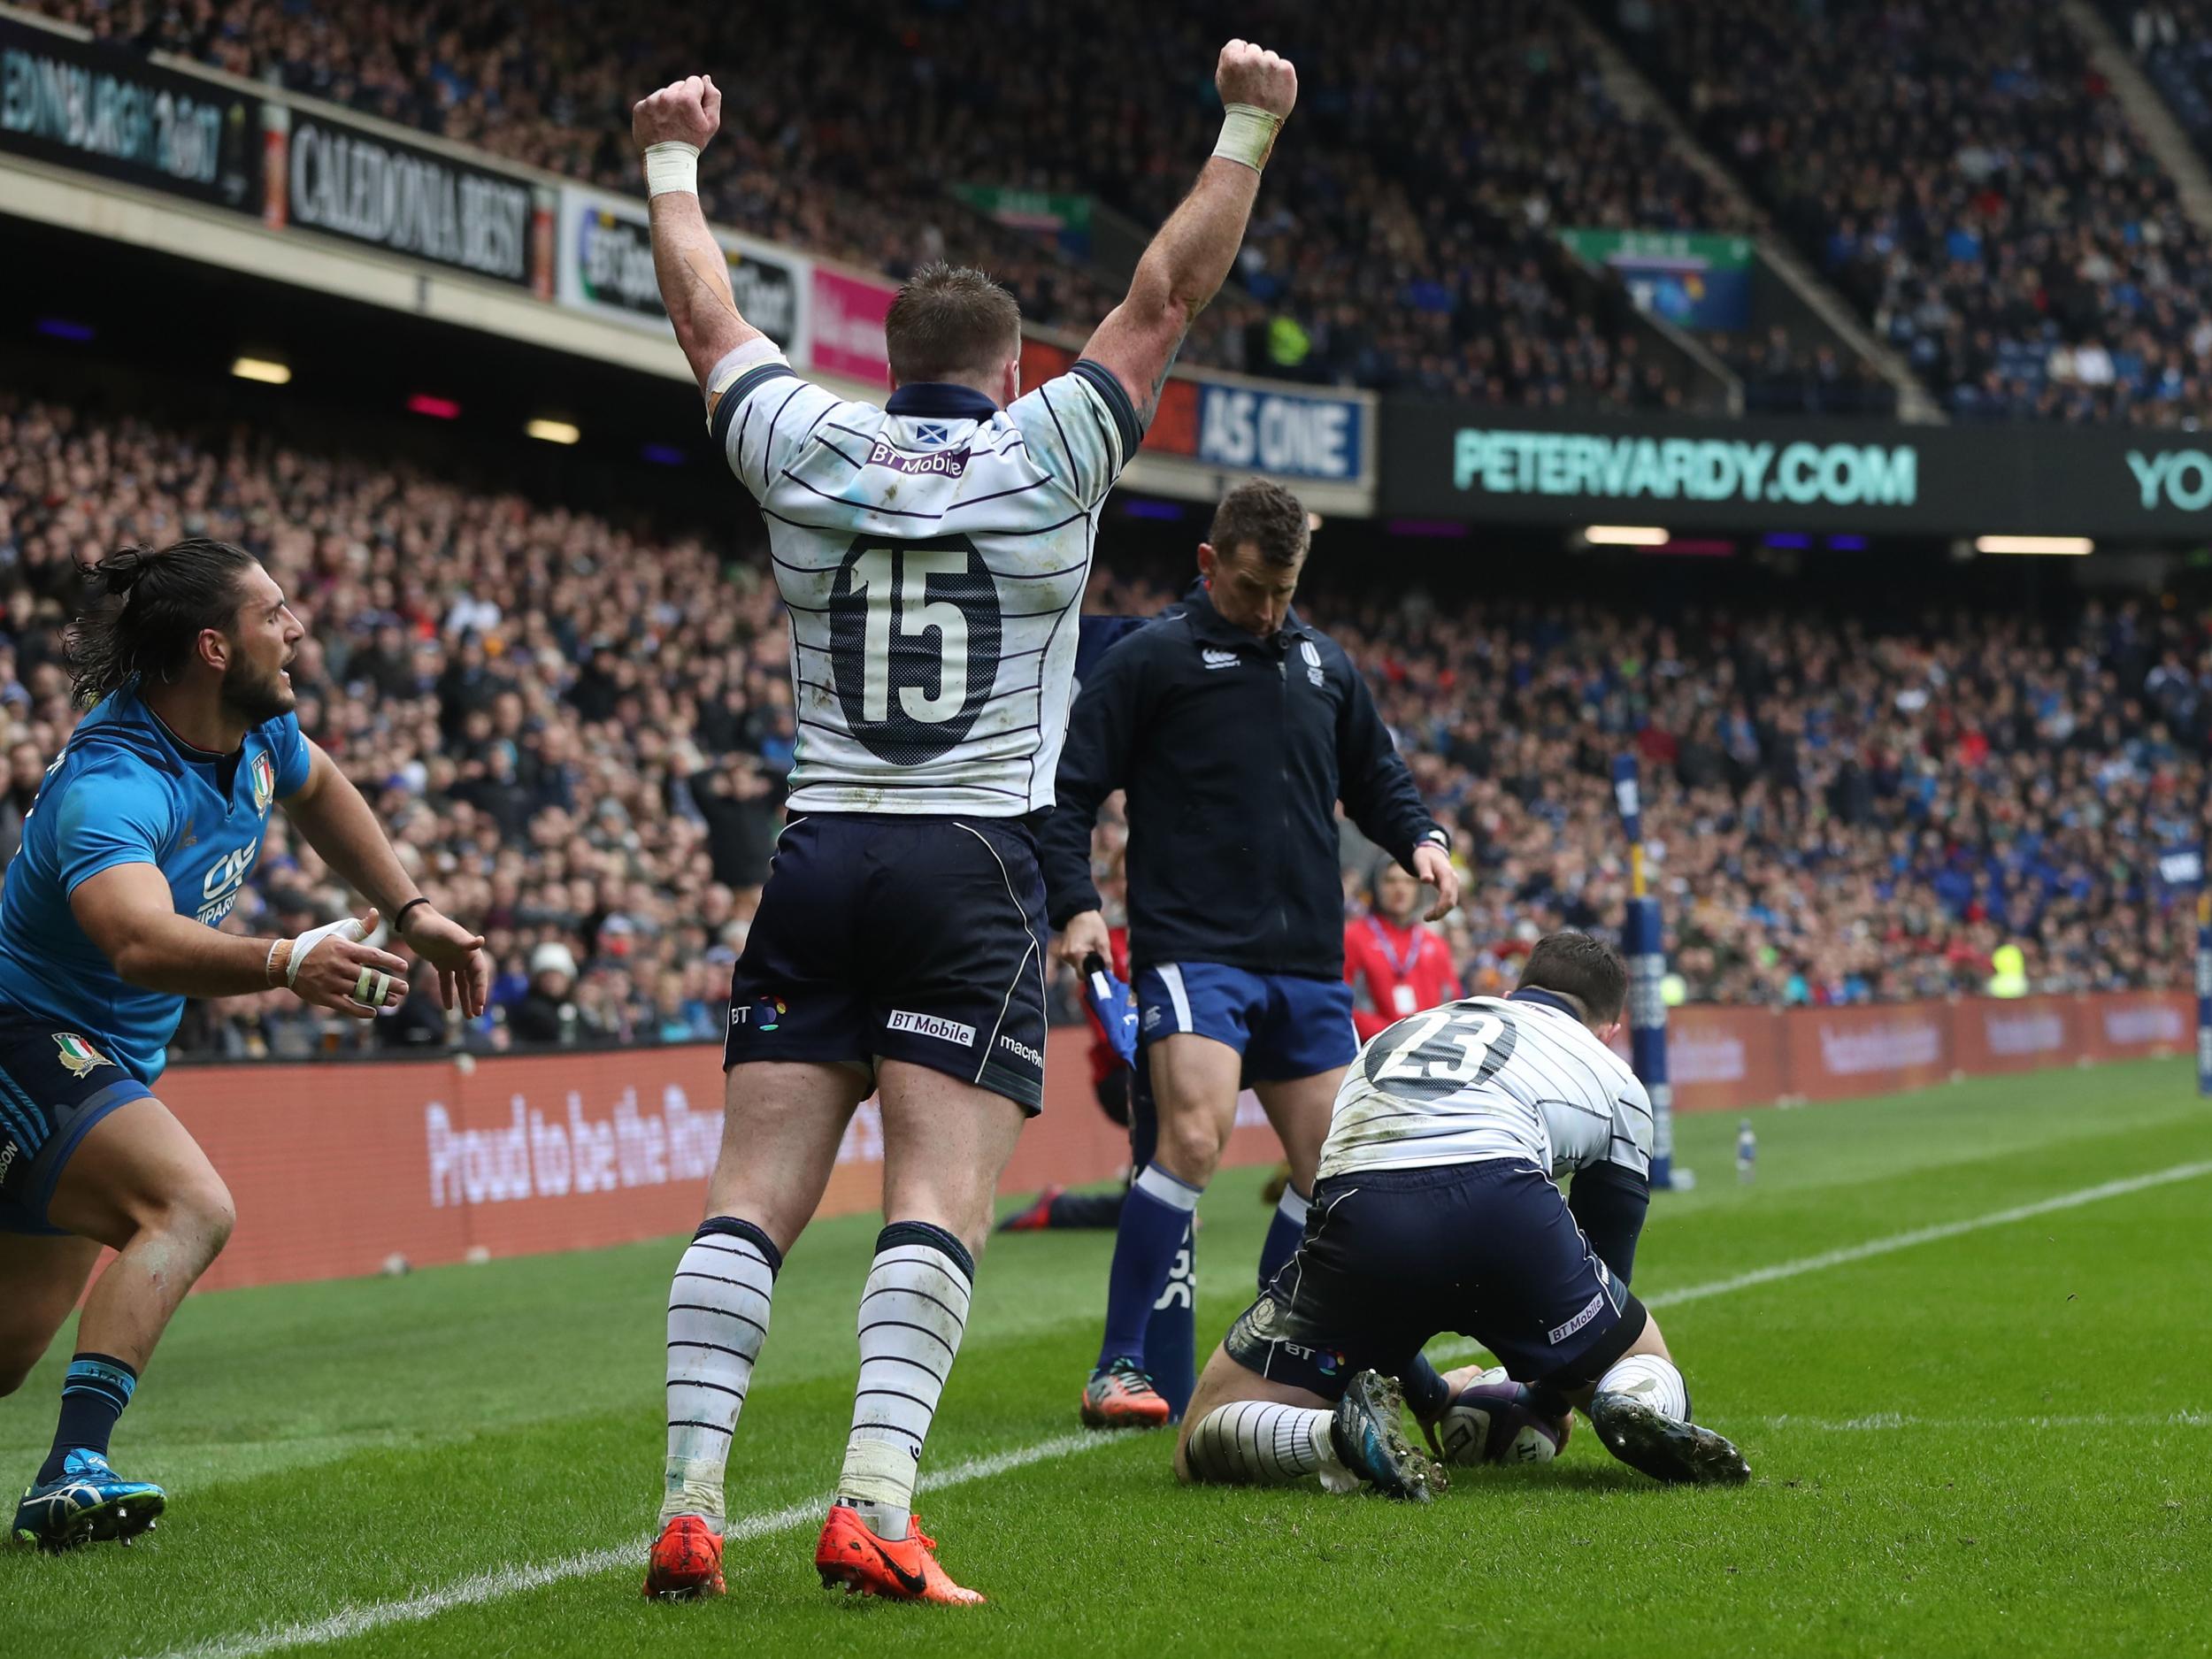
(1488, 1077)
(933, 554)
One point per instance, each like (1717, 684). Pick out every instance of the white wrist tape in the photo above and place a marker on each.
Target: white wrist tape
(1248, 135)
(672, 165)
(734, 362)
(348, 928)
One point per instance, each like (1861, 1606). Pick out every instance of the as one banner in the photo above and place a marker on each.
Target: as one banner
(1294, 434)
(606, 268)
(348, 182)
(1687, 278)
(98, 109)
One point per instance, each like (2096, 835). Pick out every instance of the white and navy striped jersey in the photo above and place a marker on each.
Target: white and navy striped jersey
(1489, 1077)
(933, 554)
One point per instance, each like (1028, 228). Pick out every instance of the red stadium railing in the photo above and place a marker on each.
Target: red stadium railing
(337, 1169)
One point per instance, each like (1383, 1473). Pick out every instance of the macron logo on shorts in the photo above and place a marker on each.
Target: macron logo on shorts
(1023, 1050)
(930, 1026)
(1578, 1321)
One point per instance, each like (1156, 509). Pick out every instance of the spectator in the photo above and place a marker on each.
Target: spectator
(549, 1011)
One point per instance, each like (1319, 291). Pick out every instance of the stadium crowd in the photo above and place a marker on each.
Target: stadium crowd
(579, 736)
(1404, 240)
(1964, 175)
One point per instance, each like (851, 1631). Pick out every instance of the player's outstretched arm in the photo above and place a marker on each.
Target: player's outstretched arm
(129, 912)
(338, 824)
(1190, 258)
(670, 127)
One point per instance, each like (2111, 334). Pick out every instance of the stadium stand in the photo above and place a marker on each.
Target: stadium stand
(1969, 180)
(1405, 244)
(570, 747)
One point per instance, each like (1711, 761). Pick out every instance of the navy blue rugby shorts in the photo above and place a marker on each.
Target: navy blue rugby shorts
(916, 939)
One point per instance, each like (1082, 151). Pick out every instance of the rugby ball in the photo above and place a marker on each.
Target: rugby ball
(1490, 1421)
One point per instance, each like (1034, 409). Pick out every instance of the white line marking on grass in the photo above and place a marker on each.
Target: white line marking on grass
(496, 1583)
(1881, 1421)
(1896, 1241)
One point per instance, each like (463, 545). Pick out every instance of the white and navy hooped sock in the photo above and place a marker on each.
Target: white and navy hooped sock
(1261, 1443)
(718, 1318)
(1653, 1380)
(913, 1311)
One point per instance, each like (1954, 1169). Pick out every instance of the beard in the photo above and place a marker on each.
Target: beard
(257, 694)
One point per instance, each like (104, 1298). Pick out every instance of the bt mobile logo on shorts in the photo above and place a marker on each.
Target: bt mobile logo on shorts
(930, 1026)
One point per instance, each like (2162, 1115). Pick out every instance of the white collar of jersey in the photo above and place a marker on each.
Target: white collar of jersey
(940, 398)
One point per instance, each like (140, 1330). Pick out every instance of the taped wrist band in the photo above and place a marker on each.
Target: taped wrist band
(348, 928)
(671, 165)
(1248, 135)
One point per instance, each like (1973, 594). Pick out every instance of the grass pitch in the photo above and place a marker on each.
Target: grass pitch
(1994, 1439)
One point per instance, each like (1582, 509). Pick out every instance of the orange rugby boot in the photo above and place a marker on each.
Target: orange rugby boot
(849, 1554)
(1121, 1396)
(687, 1561)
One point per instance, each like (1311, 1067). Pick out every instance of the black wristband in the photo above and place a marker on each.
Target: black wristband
(400, 920)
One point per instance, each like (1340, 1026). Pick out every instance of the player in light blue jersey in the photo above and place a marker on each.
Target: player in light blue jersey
(141, 840)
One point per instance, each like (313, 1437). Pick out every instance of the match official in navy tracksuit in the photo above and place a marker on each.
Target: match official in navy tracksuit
(1235, 729)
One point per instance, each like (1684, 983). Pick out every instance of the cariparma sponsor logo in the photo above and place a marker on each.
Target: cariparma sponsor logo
(932, 1026)
(81, 1058)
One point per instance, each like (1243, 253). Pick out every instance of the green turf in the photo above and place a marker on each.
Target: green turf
(2000, 1441)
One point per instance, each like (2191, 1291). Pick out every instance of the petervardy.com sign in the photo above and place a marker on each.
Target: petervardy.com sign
(1589, 466)
(1776, 474)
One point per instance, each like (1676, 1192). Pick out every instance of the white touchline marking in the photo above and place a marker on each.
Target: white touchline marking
(1882, 1421)
(496, 1584)
(1896, 1241)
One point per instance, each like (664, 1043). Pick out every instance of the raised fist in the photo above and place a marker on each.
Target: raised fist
(1252, 74)
(687, 112)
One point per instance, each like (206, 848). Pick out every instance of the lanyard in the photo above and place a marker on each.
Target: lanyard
(1399, 969)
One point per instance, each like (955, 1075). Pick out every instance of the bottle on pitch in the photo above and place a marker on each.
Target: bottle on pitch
(1747, 1150)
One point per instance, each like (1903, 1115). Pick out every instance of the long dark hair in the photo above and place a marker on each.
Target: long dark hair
(147, 609)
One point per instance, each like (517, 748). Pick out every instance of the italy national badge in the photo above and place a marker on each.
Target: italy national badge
(264, 782)
(78, 1055)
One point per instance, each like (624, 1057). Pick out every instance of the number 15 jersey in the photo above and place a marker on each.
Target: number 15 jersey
(933, 554)
(1486, 1077)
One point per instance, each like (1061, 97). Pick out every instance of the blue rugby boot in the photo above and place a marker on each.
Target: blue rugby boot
(86, 1503)
(1369, 1437)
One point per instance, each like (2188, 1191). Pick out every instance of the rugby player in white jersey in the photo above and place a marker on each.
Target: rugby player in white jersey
(933, 552)
(1435, 1209)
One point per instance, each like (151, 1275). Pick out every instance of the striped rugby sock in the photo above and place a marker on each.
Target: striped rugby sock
(1260, 1443)
(912, 1313)
(718, 1318)
(94, 1392)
